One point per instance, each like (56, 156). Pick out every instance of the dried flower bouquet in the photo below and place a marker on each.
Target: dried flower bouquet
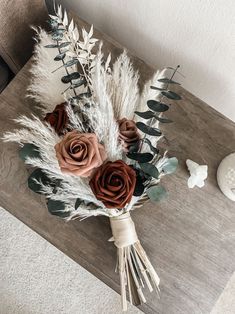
(96, 150)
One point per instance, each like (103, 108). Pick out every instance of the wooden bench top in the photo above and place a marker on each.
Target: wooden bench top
(189, 237)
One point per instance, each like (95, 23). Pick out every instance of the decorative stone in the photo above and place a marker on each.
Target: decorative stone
(198, 173)
(226, 176)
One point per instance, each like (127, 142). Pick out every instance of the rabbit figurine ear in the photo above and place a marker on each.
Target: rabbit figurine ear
(226, 176)
(198, 173)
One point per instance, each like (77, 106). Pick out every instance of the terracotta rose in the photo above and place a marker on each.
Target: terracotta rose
(128, 133)
(113, 184)
(80, 153)
(58, 119)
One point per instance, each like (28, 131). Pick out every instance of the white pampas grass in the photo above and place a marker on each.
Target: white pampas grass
(46, 87)
(123, 87)
(101, 114)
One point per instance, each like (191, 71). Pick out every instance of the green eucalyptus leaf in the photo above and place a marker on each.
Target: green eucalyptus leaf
(68, 78)
(152, 148)
(156, 193)
(29, 151)
(77, 203)
(167, 81)
(51, 46)
(150, 169)
(71, 62)
(134, 147)
(163, 120)
(147, 129)
(57, 208)
(59, 31)
(140, 157)
(60, 57)
(57, 36)
(64, 44)
(78, 83)
(38, 176)
(145, 115)
(139, 186)
(157, 88)
(82, 95)
(171, 95)
(157, 106)
(170, 165)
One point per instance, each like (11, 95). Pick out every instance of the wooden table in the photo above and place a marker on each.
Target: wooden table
(189, 237)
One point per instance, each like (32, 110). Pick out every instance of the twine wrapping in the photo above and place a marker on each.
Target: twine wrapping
(135, 269)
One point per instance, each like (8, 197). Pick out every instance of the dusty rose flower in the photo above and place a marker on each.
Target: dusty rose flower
(80, 153)
(128, 133)
(113, 184)
(58, 119)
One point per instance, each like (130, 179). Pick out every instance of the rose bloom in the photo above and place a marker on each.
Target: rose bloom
(113, 184)
(58, 119)
(80, 153)
(128, 133)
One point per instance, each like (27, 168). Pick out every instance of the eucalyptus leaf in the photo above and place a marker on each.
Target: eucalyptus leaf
(51, 46)
(152, 148)
(134, 147)
(171, 95)
(82, 95)
(79, 83)
(156, 193)
(167, 81)
(59, 31)
(157, 88)
(60, 57)
(64, 44)
(29, 151)
(77, 203)
(170, 165)
(35, 178)
(57, 208)
(140, 157)
(57, 36)
(150, 169)
(145, 115)
(157, 106)
(71, 62)
(147, 129)
(139, 186)
(163, 120)
(68, 78)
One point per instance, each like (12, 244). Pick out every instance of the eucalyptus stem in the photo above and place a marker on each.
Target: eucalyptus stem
(162, 96)
(152, 120)
(66, 69)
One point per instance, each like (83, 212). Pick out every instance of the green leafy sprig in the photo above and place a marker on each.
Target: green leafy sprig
(146, 162)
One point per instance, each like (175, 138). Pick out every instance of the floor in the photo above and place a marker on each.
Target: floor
(36, 278)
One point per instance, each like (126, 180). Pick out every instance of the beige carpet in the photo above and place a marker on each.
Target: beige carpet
(36, 278)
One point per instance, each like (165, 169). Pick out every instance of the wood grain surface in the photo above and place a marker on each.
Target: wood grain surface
(189, 237)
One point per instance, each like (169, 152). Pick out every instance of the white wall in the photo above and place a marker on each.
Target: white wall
(197, 34)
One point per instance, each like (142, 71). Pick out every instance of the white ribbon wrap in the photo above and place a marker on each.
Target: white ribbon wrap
(134, 266)
(123, 230)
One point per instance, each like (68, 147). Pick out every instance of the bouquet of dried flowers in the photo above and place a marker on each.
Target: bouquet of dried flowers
(96, 149)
